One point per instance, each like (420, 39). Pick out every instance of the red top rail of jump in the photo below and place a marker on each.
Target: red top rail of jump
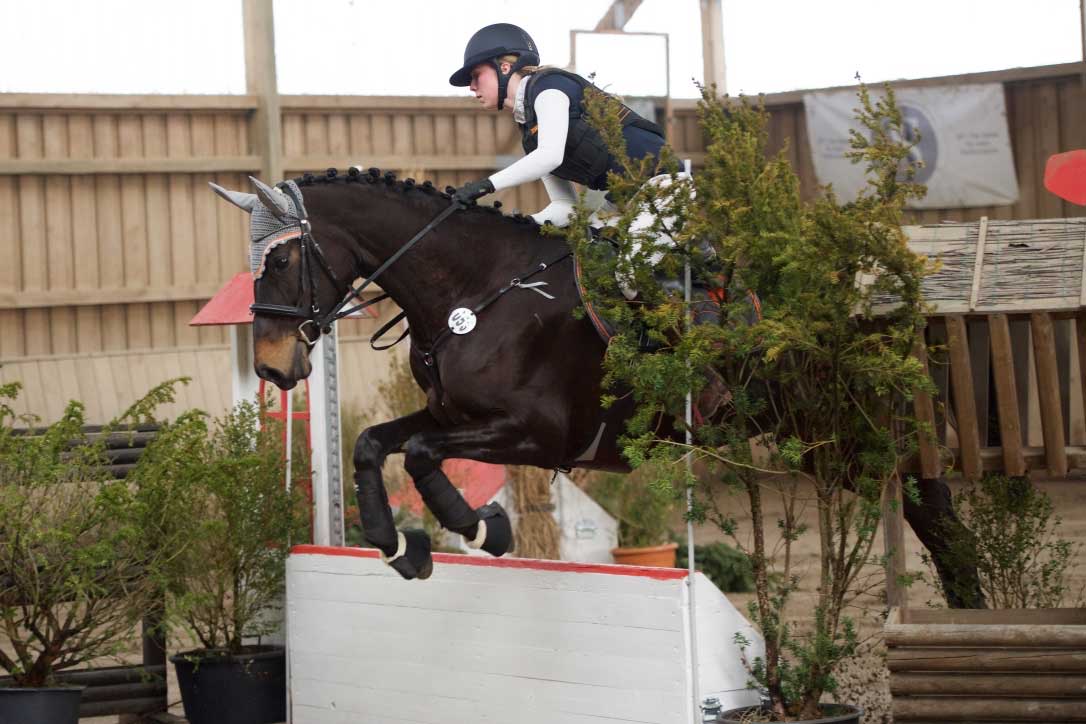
(660, 574)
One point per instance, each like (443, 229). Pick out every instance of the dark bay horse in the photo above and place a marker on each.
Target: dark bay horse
(518, 382)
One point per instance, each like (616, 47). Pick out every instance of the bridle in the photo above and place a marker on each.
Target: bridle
(313, 258)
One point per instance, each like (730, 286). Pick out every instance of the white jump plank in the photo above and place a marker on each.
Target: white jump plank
(484, 640)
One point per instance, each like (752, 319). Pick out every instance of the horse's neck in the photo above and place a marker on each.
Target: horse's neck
(439, 270)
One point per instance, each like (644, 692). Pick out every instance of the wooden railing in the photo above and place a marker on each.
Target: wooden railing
(1005, 345)
(1006, 338)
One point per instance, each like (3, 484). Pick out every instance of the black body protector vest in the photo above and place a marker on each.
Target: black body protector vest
(586, 156)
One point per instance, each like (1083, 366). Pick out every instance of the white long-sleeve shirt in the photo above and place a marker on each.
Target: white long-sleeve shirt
(552, 117)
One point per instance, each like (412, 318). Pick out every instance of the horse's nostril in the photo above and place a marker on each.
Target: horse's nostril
(274, 376)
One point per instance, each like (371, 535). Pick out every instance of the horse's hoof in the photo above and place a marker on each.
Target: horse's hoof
(495, 529)
(412, 558)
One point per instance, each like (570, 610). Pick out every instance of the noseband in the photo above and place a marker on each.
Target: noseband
(313, 258)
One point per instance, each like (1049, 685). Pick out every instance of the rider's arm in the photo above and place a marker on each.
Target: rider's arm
(563, 196)
(552, 115)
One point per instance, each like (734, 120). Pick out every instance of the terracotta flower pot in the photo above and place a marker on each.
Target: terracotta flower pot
(657, 556)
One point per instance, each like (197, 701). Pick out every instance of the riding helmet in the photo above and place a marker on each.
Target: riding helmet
(491, 43)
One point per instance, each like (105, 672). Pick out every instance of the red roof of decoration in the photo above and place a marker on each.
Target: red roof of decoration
(1065, 176)
(479, 482)
(230, 305)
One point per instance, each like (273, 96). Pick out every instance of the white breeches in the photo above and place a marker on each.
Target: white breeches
(559, 210)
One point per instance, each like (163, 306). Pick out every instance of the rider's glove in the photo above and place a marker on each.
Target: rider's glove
(472, 190)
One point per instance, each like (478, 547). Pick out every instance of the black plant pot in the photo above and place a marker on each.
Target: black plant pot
(831, 714)
(49, 705)
(245, 688)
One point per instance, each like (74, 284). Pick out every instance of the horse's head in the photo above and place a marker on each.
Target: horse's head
(297, 282)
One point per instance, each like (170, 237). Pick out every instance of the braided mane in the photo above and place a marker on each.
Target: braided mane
(374, 176)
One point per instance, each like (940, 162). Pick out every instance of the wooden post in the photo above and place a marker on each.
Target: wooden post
(265, 129)
(1010, 429)
(712, 45)
(1082, 34)
(979, 364)
(1048, 390)
(964, 402)
(154, 658)
(978, 263)
(928, 442)
(1080, 340)
(617, 15)
(893, 533)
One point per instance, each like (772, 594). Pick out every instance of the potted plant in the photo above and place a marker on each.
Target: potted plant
(643, 509)
(81, 554)
(226, 587)
(804, 369)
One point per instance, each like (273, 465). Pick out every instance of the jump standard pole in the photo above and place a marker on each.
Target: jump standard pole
(690, 579)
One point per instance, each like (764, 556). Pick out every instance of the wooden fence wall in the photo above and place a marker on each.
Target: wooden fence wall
(986, 667)
(108, 382)
(110, 240)
(1045, 108)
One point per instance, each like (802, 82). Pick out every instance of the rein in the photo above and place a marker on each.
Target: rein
(311, 253)
(313, 256)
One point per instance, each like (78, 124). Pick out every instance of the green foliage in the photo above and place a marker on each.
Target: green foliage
(642, 503)
(82, 556)
(816, 378)
(728, 568)
(227, 583)
(1014, 544)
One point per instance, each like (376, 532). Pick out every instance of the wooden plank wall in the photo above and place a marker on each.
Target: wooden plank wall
(102, 261)
(108, 382)
(444, 140)
(1045, 107)
(986, 667)
(110, 240)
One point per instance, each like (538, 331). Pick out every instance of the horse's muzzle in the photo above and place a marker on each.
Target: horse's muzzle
(290, 368)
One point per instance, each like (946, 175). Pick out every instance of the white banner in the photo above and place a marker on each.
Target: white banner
(964, 143)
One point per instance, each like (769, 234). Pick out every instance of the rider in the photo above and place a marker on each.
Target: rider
(501, 67)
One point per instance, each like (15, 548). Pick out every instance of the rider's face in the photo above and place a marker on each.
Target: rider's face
(484, 84)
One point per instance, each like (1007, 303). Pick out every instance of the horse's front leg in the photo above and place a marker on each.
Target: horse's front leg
(408, 551)
(494, 442)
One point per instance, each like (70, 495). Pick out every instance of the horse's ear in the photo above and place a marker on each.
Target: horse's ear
(273, 200)
(244, 201)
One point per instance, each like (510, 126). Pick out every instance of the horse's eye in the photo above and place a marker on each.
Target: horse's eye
(281, 262)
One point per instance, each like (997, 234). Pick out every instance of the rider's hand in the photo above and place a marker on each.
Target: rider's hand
(473, 190)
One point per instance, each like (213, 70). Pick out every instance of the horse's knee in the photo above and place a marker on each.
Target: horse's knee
(420, 459)
(368, 450)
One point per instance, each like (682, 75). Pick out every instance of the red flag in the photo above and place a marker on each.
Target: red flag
(1065, 176)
